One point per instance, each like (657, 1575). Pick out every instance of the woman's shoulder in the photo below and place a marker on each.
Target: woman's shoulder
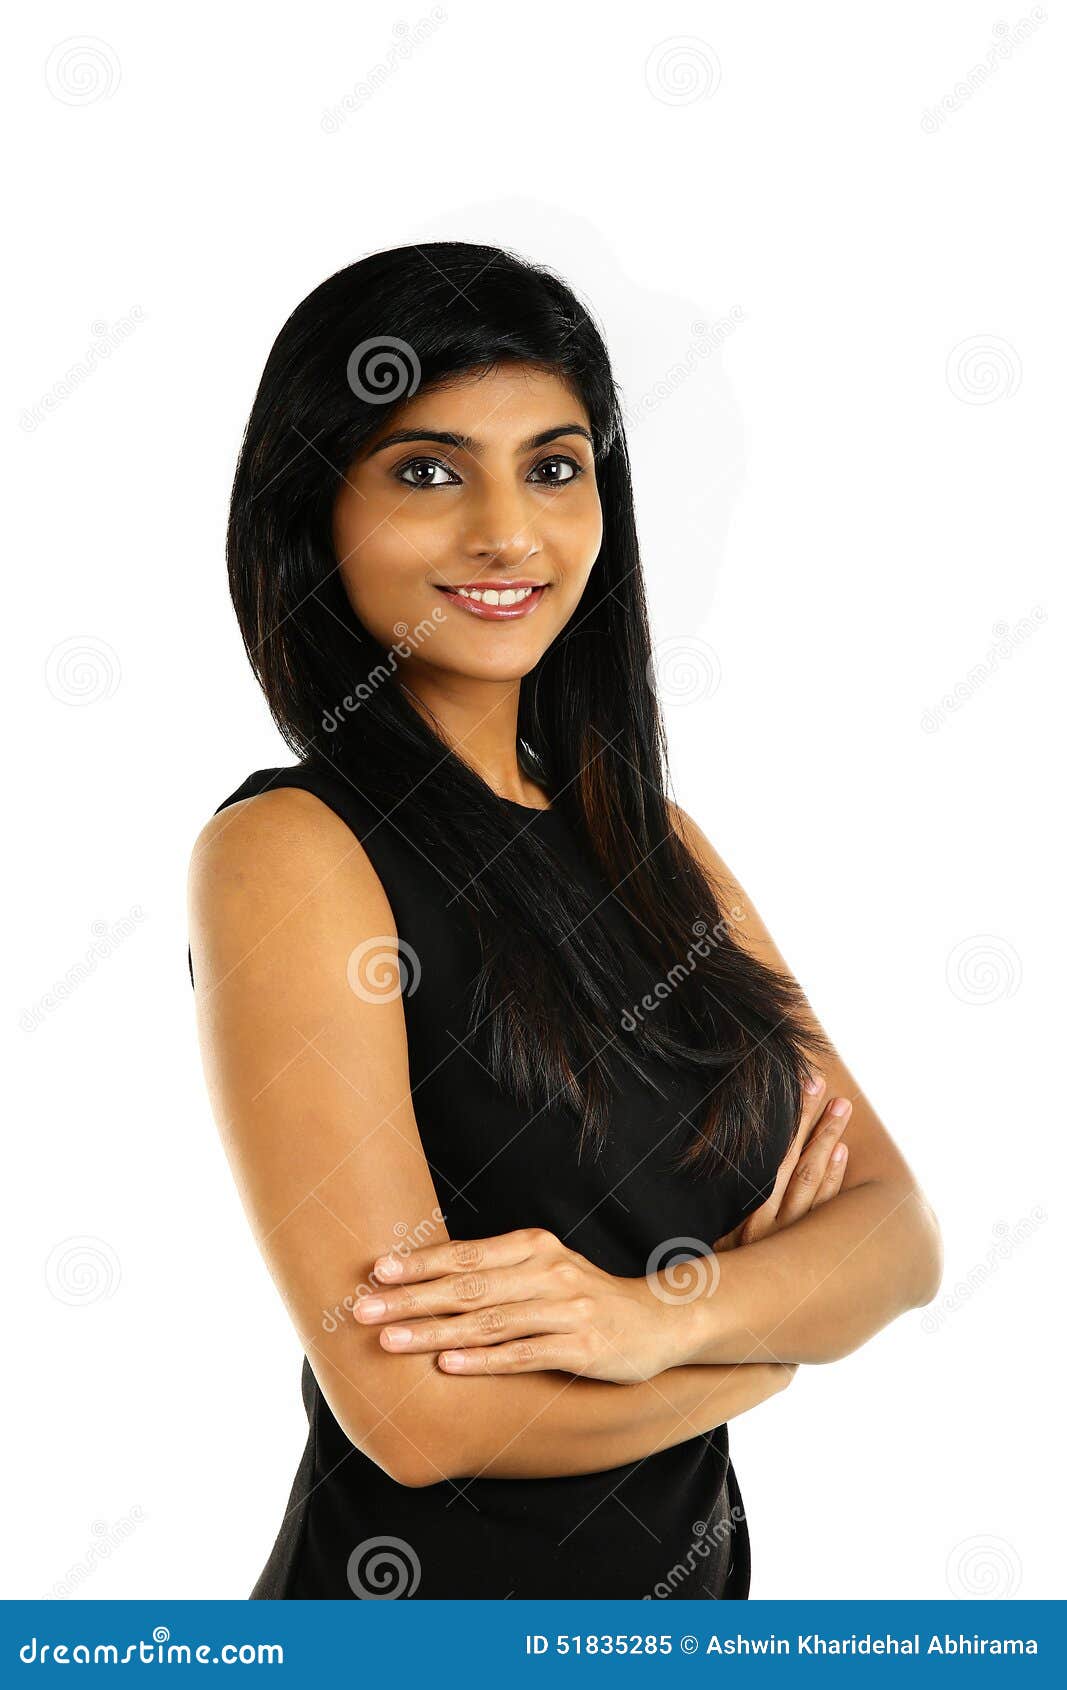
(277, 837)
(700, 847)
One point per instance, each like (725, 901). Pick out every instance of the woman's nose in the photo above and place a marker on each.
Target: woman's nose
(498, 526)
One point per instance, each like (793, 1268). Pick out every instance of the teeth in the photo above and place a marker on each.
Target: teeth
(513, 595)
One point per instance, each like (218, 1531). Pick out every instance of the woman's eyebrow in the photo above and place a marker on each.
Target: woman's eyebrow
(466, 444)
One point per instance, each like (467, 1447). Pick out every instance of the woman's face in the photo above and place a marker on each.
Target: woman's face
(508, 501)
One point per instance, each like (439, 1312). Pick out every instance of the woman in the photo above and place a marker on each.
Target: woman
(537, 1135)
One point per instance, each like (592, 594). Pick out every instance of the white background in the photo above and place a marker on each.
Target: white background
(843, 505)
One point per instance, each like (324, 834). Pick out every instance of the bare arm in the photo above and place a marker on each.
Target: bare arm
(818, 1288)
(310, 1087)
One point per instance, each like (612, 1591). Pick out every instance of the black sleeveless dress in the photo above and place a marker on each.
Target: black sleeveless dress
(669, 1526)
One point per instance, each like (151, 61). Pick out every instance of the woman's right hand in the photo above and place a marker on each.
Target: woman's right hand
(811, 1173)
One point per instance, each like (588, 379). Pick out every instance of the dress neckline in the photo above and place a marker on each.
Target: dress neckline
(530, 809)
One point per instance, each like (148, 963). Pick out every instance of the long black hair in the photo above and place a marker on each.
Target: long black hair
(551, 992)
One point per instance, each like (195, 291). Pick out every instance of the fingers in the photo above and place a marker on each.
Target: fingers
(814, 1162)
(453, 1294)
(765, 1219)
(729, 1240)
(491, 1326)
(757, 1226)
(835, 1173)
(528, 1355)
(509, 1268)
(461, 1256)
(814, 1100)
(809, 1172)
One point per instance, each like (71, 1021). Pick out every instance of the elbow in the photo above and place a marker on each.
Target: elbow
(411, 1449)
(403, 1461)
(413, 1472)
(400, 1419)
(926, 1253)
(918, 1252)
(410, 1453)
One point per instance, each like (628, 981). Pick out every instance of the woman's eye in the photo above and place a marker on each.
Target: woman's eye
(419, 472)
(562, 471)
(431, 472)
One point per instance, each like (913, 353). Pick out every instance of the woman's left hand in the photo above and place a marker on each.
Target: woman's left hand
(521, 1302)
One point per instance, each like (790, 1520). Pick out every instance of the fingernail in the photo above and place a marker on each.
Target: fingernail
(387, 1267)
(840, 1106)
(453, 1360)
(840, 1151)
(372, 1307)
(397, 1336)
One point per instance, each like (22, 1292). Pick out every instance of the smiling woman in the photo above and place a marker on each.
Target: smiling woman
(539, 1249)
(496, 522)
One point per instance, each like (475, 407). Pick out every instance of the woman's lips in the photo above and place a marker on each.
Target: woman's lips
(495, 612)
